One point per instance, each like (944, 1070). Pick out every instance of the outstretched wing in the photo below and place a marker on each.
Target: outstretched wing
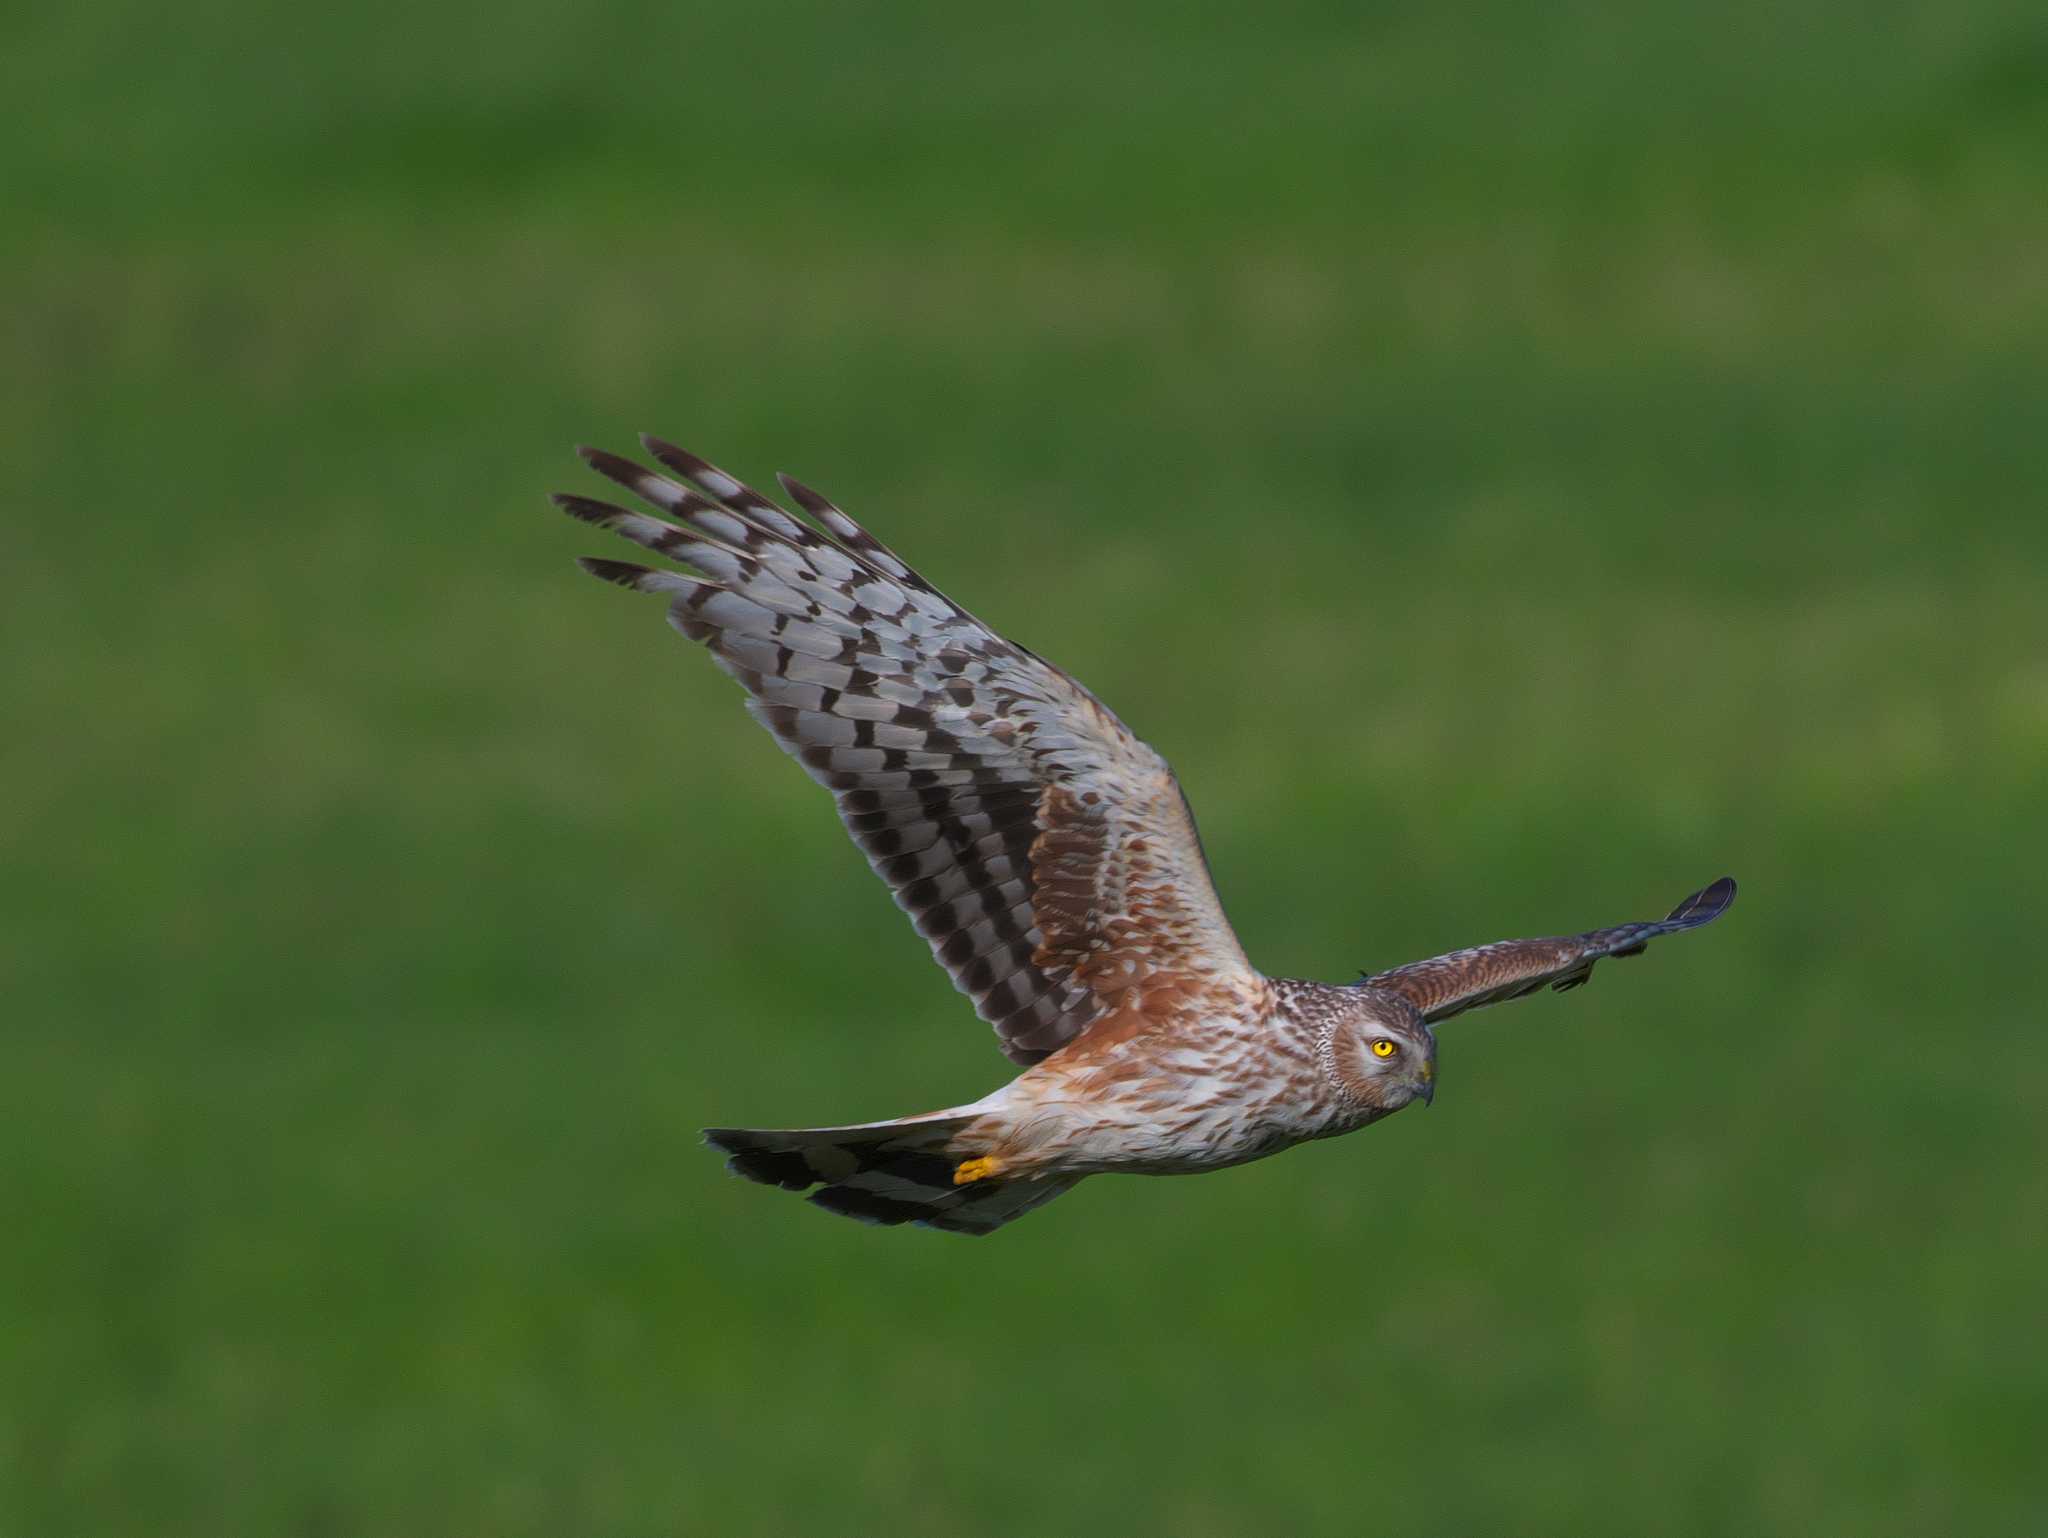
(1444, 986)
(1044, 852)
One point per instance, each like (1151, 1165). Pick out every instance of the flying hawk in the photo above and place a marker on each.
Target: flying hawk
(1050, 859)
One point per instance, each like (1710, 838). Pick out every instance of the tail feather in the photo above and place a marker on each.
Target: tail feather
(883, 1172)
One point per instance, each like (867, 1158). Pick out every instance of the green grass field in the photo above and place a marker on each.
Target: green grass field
(1518, 462)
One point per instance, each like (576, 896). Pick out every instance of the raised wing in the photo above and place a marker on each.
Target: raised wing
(1044, 852)
(1444, 986)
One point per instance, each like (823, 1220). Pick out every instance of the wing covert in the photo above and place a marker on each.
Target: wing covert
(1046, 854)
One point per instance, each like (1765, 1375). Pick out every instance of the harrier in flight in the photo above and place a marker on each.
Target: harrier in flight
(1050, 860)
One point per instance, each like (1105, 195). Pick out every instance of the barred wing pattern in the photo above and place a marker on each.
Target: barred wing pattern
(1045, 853)
(1444, 986)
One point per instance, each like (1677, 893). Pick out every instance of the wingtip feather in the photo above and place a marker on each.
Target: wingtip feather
(1705, 905)
(585, 509)
(621, 573)
(810, 501)
(641, 579)
(616, 467)
(691, 467)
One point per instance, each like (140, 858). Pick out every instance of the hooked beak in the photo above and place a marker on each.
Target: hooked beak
(1425, 1089)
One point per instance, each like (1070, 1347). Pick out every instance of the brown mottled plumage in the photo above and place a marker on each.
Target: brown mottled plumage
(1050, 860)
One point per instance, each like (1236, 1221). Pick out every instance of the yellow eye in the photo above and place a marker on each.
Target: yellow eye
(1383, 1048)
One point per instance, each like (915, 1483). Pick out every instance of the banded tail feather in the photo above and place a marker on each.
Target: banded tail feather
(884, 1172)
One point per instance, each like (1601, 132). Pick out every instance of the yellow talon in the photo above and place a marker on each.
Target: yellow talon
(971, 1170)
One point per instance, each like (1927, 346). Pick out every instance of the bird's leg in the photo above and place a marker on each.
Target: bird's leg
(970, 1170)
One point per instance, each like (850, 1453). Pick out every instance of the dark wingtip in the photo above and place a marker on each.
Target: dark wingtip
(810, 501)
(614, 467)
(1705, 905)
(589, 509)
(621, 574)
(679, 460)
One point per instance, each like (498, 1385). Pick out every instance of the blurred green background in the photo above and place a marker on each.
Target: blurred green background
(1518, 461)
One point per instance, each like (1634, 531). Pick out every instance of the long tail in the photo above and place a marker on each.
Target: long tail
(884, 1172)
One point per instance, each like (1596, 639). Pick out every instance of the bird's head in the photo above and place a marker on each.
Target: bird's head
(1382, 1055)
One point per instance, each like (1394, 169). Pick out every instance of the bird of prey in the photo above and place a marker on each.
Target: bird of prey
(1050, 859)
